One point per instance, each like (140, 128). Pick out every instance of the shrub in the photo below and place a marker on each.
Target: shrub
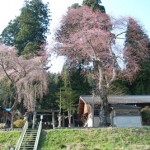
(19, 123)
(146, 115)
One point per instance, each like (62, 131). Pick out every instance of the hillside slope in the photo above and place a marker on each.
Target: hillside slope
(86, 139)
(8, 139)
(96, 139)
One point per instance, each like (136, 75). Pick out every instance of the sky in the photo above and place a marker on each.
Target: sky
(135, 8)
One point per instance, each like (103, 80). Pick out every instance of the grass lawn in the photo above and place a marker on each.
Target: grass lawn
(96, 139)
(86, 139)
(8, 138)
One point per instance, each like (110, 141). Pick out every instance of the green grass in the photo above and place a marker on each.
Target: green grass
(8, 138)
(96, 139)
(86, 139)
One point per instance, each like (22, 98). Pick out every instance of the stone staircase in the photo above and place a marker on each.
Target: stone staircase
(29, 139)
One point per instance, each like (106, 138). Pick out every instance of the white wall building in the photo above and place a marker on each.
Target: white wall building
(124, 110)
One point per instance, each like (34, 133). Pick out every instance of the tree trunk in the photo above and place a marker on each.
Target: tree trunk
(59, 120)
(12, 114)
(104, 111)
(101, 90)
(12, 120)
(69, 119)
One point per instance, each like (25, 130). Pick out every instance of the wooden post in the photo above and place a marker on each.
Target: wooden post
(34, 120)
(93, 109)
(63, 120)
(12, 120)
(53, 119)
(59, 115)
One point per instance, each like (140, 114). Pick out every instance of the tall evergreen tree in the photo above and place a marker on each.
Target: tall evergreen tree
(67, 95)
(94, 4)
(9, 34)
(50, 98)
(136, 45)
(28, 31)
(141, 82)
(79, 81)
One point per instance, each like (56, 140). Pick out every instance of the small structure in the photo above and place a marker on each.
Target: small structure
(125, 115)
(49, 117)
(89, 109)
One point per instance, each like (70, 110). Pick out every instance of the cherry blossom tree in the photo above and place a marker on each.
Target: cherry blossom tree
(91, 35)
(27, 76)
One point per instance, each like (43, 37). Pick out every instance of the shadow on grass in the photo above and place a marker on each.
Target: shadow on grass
(42, 139)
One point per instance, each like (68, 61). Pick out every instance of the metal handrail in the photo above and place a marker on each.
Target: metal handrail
(22, 136)
(38, 136)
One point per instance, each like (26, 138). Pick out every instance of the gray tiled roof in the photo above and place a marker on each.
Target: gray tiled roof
(125, 99)
(123, 106)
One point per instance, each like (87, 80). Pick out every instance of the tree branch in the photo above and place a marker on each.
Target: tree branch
(120, 34)
(3, 67)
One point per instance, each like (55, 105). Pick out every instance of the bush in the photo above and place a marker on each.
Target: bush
(19, 123)
(145, 112)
